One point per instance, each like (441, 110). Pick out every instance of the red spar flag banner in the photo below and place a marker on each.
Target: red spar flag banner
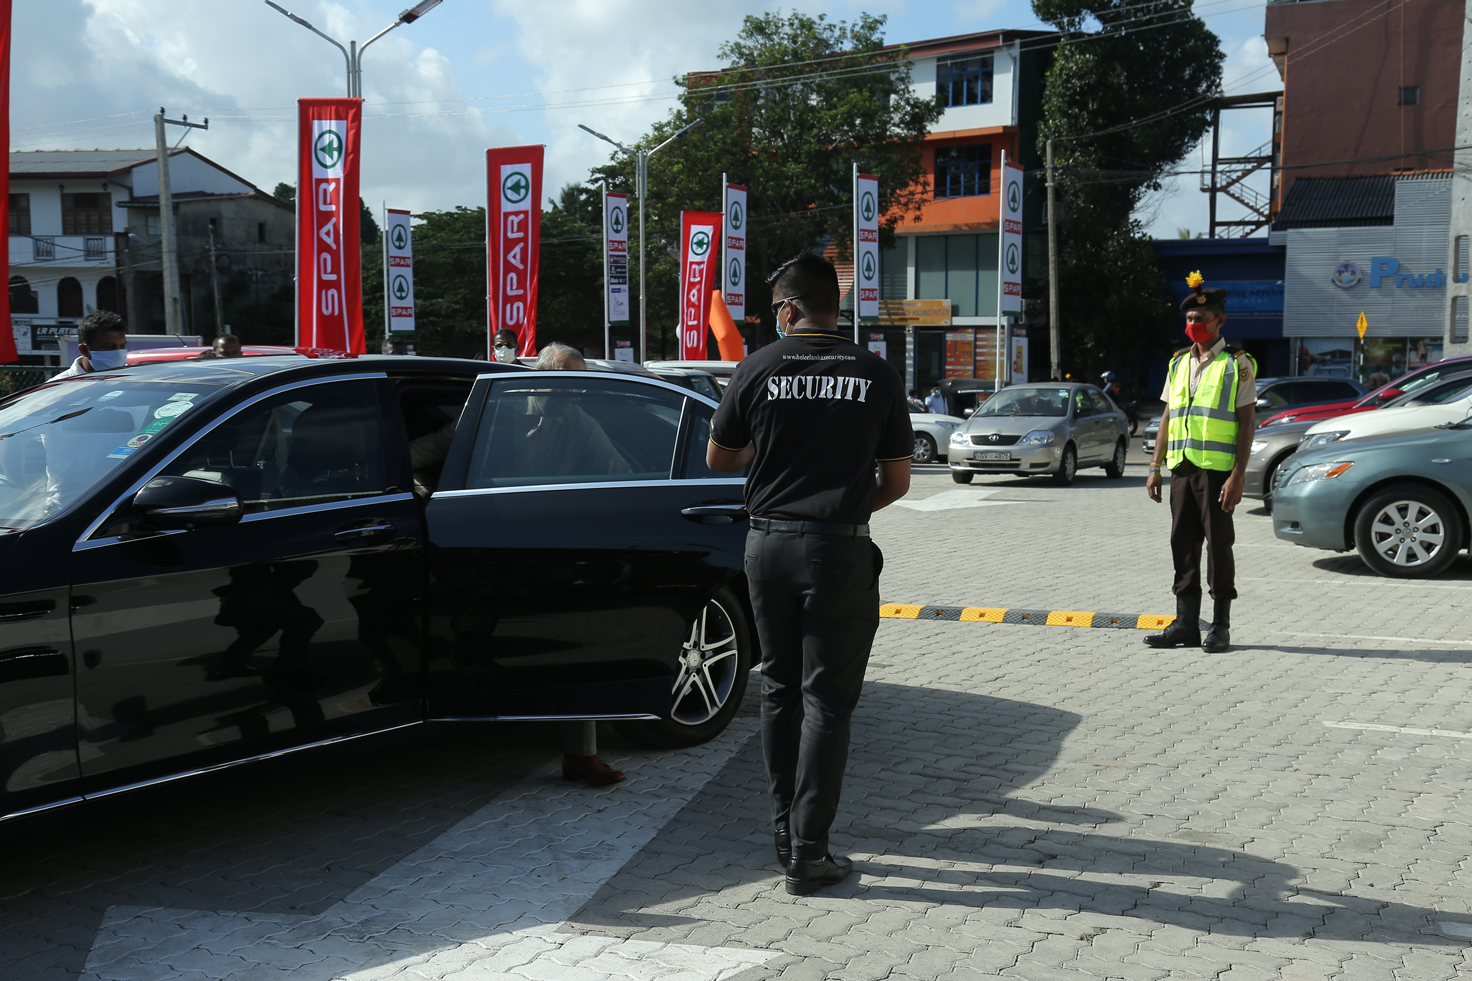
(329, 295)
(699, 231)
(7, 336)
(513, 242)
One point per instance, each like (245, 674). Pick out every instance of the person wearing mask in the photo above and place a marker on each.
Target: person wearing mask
(812, 570)
(935, 401)
(504, 346)
(1206, 428)
(102, 340)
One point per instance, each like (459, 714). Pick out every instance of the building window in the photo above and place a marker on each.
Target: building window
(20, 214)
(260, 231)
(23, 299)
(153, 225)
(964, 81)
(1408, 95)
(107, 294)
(69, 298)
(86, 214)
(963, 171)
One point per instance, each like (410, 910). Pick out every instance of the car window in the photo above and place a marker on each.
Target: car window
(706, 387)
(1100, 405)
(59, 441)
(1448, 392)
(318, 444)
(696, 440)
(1081, 407)
(566, 431)
(1275, 394)
(1339, 391)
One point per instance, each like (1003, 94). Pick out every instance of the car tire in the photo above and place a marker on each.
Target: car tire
(703, 706)
(1393, 529)
(1114, 469)
(962, 476)
(1067, 467)
(925, 449)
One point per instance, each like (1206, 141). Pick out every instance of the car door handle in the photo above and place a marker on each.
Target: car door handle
(368, 529)
(716, 514)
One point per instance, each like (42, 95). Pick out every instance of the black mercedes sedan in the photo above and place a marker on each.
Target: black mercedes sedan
(203, 563)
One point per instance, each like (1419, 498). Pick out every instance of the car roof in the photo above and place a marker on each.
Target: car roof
(288, 367)
(680, 371)
(714, 367)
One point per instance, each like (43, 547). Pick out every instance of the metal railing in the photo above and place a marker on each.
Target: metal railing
(43, 247)
(18, 378)
(95, 248)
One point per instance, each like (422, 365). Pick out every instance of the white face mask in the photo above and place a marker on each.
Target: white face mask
(103, 360)
(505, 354)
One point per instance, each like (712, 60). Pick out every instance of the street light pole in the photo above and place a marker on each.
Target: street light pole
(641, 188)
(353, 54)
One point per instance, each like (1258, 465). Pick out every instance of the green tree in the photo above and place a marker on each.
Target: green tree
(1122, 104)
(799, 100)
(570, 283)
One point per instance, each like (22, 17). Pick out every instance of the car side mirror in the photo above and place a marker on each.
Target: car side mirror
(966, 413)
(1263, 403)
(186, 502)
(1389, 394)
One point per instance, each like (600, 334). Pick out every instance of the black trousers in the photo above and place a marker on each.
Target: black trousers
(1196, 515)
(816, 599)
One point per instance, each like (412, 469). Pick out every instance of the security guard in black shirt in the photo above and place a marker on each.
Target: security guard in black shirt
(813, 414)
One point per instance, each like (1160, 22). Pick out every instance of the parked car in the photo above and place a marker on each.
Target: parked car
(1277, 395)
(1273, 445)
(721, 370)
(932, 434)
(1043, 428)
(692, 378)
(1408, 382)
(194, 353)
(1151, 434)
(1401, 499)
(1454, 405)
(207, 562)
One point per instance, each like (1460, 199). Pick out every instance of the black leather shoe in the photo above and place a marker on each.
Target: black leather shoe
(806, 878)
(1185, 629)
(783, 839)
(1219, 637)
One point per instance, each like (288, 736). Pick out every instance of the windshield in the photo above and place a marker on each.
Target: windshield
(59, 441)
(1026, 402)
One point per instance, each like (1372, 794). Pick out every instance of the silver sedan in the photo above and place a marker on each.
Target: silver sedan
(1042, 428)
(932, 434)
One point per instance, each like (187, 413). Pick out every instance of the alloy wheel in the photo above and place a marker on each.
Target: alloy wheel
(708, 665)
(1407, 533)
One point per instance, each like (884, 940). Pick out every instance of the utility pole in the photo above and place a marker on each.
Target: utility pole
(134, 327)
(1459, 283)
(215, 285)
(173, 322)
(1054, 342)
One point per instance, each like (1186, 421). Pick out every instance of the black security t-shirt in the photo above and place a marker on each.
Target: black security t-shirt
(820, 411)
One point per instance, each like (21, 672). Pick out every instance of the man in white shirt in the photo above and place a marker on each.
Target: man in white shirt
(102, 339)
(936, 402)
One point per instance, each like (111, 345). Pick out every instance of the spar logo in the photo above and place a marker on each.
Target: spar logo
(1014, 197)
(515, 187)
(733, 275)
(1014, 261)
(867, 209)
(327, 149)
(868, 266)
(616, 220)
(401, 288)
(699, 243)
(399, 237)
(737, 216)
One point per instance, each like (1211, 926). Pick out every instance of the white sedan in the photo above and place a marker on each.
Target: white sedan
(932, 434)
(1453, 404)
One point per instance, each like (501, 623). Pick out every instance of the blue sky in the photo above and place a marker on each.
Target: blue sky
(470, 74)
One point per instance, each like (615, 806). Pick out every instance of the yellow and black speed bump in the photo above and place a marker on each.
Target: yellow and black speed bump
(1035, 618)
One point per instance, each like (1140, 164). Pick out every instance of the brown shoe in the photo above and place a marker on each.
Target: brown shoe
(591, 769)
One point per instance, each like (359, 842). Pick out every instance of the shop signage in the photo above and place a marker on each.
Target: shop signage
(616, 257)
(866, 245)
(400, 279)
(733, 273)
(513, 242)
(1383, 267)
(328, 268)
(698, 232)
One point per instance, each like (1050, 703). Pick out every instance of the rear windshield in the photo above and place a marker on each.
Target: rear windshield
(59, 441)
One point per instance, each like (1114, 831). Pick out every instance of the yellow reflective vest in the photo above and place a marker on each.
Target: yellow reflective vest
(1203, 426)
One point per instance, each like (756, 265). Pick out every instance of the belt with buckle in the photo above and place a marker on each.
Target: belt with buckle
(810, 527)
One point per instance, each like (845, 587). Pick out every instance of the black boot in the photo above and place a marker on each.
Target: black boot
(782, 838)
(1185, 630)
(1219, 637)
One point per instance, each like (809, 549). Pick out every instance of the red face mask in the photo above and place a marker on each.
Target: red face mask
(1201, 333)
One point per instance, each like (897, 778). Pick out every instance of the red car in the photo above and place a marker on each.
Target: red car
(151, 355)
(1405, 383)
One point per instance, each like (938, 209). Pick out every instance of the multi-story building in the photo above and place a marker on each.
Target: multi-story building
(85, 234)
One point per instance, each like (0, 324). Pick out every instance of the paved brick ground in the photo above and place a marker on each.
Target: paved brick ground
(1029, 802)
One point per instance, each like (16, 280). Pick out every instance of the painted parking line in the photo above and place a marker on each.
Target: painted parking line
(1033, 618)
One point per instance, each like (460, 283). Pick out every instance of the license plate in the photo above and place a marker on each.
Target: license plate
(992, 455)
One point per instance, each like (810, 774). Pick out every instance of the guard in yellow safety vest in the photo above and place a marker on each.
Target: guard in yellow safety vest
(1205, 433)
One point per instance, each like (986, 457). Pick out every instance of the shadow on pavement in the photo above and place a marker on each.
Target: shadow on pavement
(1350, 564)
(1430, 656)
(930, 774)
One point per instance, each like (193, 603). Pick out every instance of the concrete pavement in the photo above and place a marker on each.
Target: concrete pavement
(1025, 802)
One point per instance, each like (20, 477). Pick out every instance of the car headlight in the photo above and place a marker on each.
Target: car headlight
(1320, 471)
(960, 439)
(1038, 437)
(946, 425)
(1307, 442)
(1258, 445)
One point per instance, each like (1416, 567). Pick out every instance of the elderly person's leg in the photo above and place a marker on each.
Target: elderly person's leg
(580, 755)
